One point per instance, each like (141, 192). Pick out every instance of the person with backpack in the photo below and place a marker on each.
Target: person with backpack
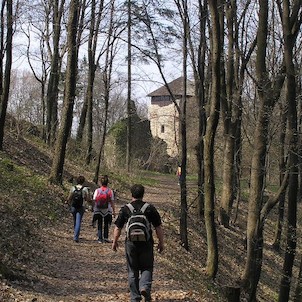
(103, 208)
(139, 216)
(179, 174)
(78, 194)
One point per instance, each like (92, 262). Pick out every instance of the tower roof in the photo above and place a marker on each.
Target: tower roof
(176, 86)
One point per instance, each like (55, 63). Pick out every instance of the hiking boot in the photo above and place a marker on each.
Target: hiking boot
(107, 240)
(145, 294)
(100, 241)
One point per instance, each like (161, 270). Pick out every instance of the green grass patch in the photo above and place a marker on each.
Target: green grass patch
(15, 178)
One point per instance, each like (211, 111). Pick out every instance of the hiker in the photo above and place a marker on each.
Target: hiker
(103, 208)
(139, 242)
(78, 194)
(178, 173)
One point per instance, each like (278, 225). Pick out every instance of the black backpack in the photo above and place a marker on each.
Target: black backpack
(138, 226)
(77, 198)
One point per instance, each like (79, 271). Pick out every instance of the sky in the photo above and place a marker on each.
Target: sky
(145, 77)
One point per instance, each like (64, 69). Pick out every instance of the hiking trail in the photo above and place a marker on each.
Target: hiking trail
(91, 271)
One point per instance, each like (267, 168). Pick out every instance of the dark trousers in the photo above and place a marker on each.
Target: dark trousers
(140, 262)
(103, 225)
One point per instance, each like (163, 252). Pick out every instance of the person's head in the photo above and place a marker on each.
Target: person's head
(80, 180)
(137, 191)
(104, 180)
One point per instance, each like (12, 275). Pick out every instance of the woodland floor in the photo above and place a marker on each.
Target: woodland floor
(57, 269)
(90, 271)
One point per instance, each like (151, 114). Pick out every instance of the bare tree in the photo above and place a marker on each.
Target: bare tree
(107, 74)
(129, 86)
(268, 91)
(6, 46)
(34, 28)
(282, 170)
(212, 121)
(95, 21)
(291, 22)
(254, 241)
(55, 9)
(56, 174)
(199, 70)
(233, 73)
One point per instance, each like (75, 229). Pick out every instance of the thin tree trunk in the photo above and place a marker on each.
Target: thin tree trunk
(183, 130)
(82, 121)
(253, 264)
(199, 76)
(298, 291)
(53, 82)
(289, 42)
(129, 101)
(8, 65)
(92, 66)
(99, 158)
(89, 96)
(299, 92)
(212, 245)
(107, 83)
(231, 104)
(282, 167)
(56, 174)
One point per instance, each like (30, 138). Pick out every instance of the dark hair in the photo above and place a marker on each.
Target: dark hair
(137, 191)
(80, 180)
(104, 180)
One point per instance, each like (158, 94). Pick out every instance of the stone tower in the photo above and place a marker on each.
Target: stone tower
(163, 115)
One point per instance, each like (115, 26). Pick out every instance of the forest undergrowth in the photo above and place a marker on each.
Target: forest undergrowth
(40, 262)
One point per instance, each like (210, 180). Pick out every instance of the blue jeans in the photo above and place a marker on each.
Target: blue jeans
(77, 220)
(140, 261)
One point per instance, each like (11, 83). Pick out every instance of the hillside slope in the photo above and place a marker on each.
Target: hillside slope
(40, 262)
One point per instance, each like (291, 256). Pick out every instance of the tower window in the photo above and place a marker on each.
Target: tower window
(162, 129)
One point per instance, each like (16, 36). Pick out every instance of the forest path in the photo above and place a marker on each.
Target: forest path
(90, 271)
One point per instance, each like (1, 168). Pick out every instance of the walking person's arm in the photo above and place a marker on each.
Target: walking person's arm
(87, 196)
(160, 235)
(116, 235)
(69, 198)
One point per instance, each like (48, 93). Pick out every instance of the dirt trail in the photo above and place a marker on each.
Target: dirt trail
(90, 271)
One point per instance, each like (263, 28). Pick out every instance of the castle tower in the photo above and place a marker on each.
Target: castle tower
(163, 115)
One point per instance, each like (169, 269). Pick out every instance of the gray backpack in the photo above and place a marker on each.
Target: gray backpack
(138, 226)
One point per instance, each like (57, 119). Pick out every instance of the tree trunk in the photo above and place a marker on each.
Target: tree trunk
(299, 92)
(87, 109)
(212, 245)
(129, 105)
(227, 196)
(298, 291)
(89, 96)
(231, 105)
(56, 174)
(289, 42)
(282, 167)
(103, 138)
(253, 264)
(183, 130)
(107, 84)
(4, 92)
(53, 81)
(199, 76)
(82, 121)
(93, 34)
